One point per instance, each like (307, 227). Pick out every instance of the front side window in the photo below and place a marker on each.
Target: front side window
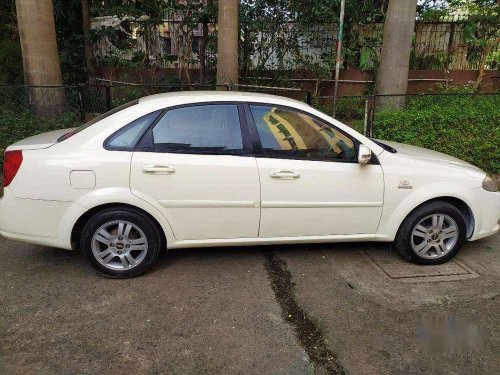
(289, 133)
(211, 128)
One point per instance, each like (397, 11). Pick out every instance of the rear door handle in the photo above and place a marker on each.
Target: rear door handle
(158, 169)
(284, 174)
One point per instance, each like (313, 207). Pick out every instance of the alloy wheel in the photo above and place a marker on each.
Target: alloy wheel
(434, 236)
(119, 245)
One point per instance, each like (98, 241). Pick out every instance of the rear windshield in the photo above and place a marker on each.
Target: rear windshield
(97, 119)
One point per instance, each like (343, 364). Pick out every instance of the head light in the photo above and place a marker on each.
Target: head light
(490, 183)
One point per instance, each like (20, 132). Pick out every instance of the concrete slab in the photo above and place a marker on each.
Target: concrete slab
(395, 267)
(373, 322)
(209, 311)
(213, 311)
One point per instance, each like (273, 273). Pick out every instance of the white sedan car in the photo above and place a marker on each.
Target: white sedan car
(229, 168)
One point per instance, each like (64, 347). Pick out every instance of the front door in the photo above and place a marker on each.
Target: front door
(311, 183)
(197, 172)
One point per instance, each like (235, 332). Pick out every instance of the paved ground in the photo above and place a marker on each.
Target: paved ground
(320, 309)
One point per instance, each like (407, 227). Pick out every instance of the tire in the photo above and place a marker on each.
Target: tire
(421, 241)
(121, 242)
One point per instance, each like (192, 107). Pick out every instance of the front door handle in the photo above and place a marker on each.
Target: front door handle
(284, 174)
(158, 169)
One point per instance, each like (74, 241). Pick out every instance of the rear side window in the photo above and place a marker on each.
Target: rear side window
(97, 119)
(211, 128)
(127, 138)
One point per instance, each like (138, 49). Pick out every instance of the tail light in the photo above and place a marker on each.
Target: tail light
(11, 164)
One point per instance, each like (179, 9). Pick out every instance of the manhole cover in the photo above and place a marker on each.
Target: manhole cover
(395, 267)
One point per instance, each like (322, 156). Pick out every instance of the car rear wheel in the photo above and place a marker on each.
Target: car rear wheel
(431, 234)
(121, 243)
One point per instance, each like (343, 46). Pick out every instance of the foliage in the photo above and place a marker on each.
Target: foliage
(348, 110)
(479, 24)
(151, 14)
(116, 60)
(10, 62)
(458, 122)
(481, 30)
(464, 126)
(70, 40)
(10, 50)
(282, 34)
(16, 125)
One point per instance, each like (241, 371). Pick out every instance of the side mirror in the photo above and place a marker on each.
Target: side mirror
(364, 154)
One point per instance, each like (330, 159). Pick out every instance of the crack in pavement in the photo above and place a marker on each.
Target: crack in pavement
(309, 335)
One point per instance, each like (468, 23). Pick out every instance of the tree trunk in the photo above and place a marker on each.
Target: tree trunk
(37, 33)
(482, 63)
(227, 43)
(86, 41)
(399, 26)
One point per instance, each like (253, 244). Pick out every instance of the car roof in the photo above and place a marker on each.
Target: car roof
(220, 96)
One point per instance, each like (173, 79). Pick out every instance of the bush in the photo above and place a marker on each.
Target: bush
(466, 126)
(349, 110)
(16, 126)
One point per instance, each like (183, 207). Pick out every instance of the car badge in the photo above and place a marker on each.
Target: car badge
(405, 185)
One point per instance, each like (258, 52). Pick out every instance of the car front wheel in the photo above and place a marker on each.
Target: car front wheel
(121, 243)
(431, 234)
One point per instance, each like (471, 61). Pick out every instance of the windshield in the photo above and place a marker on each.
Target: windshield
(97, 119)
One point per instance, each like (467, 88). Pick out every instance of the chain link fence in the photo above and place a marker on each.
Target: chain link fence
(29, 110)
(279, 42)
(465, 125)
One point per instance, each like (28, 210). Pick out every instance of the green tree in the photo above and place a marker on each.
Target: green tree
(481, 30)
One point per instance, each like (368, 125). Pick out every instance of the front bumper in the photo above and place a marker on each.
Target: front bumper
(486, 213)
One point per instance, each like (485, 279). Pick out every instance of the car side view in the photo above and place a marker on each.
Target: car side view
(195, 169)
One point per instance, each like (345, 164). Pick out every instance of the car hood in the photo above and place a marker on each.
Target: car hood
(39, 141)
(428, 155)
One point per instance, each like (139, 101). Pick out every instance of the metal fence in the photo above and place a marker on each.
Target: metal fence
(368, 113)
(29, 110)
(439, 43)
(452, 123)
(83, 102)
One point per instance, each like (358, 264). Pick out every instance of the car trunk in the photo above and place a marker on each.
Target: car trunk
(39, 141)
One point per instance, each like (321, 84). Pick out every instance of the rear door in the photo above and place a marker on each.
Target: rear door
(311, 183)
(196, 163)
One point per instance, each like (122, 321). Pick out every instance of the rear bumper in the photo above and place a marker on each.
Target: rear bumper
(486, 213)
(51, 242)
(32, 220)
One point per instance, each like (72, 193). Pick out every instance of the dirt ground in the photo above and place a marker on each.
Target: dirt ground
(309, 309)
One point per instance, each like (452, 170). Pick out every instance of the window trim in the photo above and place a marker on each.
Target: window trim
(126, 127)
(270, 155)
(146, 143)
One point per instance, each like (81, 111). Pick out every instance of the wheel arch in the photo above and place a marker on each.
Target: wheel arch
(82, 220)
(458, 203)
(396, 209)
